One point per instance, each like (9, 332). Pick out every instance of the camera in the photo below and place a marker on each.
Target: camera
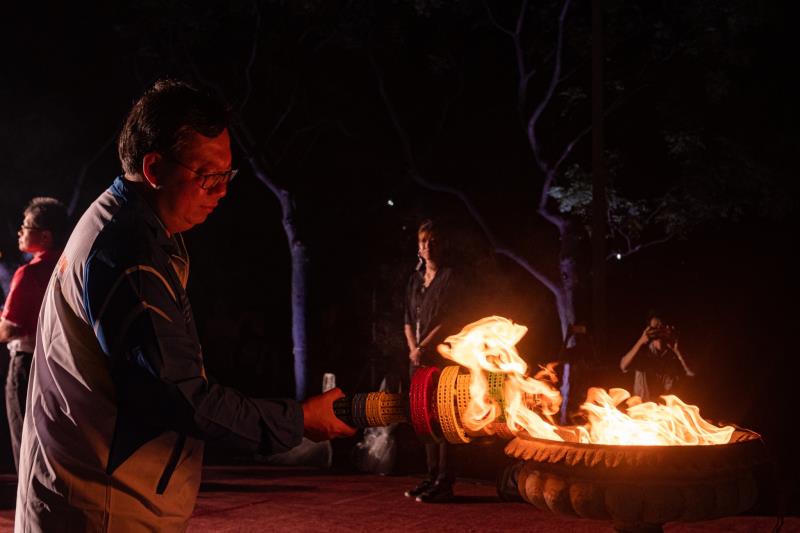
(668, 334)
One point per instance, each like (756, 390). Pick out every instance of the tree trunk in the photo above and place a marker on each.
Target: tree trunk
(599, 183)
(565, 299)
(299, 310)
(299, 294)
(297, 248)
(299, 260)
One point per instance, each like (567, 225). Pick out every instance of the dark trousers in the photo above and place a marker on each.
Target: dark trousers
(19, 368)
(440, 462)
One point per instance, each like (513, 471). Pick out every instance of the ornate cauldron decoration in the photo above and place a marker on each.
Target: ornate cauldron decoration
(640, 488)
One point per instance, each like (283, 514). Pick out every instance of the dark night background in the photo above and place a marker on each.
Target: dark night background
(721, 76)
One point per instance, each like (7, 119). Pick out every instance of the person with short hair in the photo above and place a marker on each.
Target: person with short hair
(119, 402)
(656, 360)
(430, 317)
(44, 225)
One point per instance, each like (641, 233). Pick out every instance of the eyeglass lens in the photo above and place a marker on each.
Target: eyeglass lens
(211, 181)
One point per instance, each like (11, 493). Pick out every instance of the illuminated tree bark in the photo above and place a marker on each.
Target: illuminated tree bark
(297, 248)
(299, 260)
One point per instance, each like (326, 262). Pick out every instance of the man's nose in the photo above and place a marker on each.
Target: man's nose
(220, 190)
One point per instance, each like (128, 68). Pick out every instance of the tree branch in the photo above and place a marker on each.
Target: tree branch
(523, 9)
(447, 102)
(76, 190)
(568, 149)
(417, 177)
(625, 236)
(280, 121)
(241, 135)
(498, 247)
(618, 102)
(661, 206)
(495, 23)
(399, 130)
(558, 221)
(297, 134)
(640, 247)
(548, 96)
(524, 75)
(252, 59)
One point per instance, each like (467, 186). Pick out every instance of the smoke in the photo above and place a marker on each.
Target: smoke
(376, 452)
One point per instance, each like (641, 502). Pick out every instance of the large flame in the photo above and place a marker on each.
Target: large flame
(488, 346)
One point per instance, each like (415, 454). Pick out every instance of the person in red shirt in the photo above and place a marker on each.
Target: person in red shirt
(42, 234)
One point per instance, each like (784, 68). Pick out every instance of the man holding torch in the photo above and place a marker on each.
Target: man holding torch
(119, 402)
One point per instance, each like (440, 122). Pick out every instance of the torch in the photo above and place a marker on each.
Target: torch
(435, 406)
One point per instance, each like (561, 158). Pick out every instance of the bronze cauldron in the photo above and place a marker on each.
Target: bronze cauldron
(640, 488)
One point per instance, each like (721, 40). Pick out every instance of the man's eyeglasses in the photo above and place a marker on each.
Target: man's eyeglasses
(212, 180)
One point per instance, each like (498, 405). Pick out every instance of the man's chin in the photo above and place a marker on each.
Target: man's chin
(198, 219)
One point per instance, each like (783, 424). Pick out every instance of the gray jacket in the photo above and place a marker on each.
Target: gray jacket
(119, 403)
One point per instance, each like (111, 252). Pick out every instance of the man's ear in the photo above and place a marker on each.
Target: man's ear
(47, 239)
(151, 169)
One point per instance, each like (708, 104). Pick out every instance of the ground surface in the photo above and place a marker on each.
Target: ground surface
(258, 498)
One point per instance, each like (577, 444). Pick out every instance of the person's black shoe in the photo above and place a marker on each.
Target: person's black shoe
(419, 489)
(438, 493)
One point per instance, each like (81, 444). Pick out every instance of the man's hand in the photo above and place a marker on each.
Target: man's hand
(8, 331)
(319, 422)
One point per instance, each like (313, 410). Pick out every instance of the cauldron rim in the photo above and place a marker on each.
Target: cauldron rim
(739, 436)
(745, 448)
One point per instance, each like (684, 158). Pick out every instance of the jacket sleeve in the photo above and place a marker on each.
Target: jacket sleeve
(143, 323)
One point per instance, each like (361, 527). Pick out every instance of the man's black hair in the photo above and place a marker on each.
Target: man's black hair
(162, 118)
(50, 214)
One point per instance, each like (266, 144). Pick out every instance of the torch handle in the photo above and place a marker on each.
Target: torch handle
(372, 409)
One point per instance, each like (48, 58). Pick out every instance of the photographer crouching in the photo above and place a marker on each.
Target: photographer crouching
(656, 359)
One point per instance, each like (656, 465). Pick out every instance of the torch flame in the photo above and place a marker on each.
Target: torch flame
(488, 346)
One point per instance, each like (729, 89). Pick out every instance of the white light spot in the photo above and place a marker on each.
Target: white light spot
(390, 202)
(619, 256)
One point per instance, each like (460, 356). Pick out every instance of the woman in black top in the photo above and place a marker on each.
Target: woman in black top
(429, 314)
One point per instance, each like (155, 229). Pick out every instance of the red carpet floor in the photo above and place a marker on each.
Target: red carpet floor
(259, 498)
(294, 500)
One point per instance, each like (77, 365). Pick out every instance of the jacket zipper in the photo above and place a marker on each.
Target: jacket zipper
(171, 464)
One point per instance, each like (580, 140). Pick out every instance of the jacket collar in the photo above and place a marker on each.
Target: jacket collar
(173, 244)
